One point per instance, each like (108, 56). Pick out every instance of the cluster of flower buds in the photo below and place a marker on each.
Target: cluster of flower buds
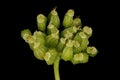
(71, 42)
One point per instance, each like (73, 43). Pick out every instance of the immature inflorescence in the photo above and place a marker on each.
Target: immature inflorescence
(53, 42)
(70, 44)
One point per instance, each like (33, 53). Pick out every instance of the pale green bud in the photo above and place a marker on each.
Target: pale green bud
(50, 56)
(39, 38)
(52, 40)
(51, 29)
(92, 51)
(41, 22)
(71, 30)
(68, 18)
(67, 53)
(67, 35)
(39, 52)
(77, 22)
(88, 31)
(80, 58)
(27, 36)
(84, 41)
(25, 33)
(61, 44)
(54, 18)
(77, 38)
(76, 47)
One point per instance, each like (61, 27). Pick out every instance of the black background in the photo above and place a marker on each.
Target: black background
(19, 61)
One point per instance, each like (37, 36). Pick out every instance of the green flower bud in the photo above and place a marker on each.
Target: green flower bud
(39, 52)
(84, 40)
(54, 18)
(92, 51)
(50, 56)
(25, 33)
(72, 30)
(51, 29)
(80, 58)
(67, 35)
(27, 36)
(88, 31)
(67, 53)
(77, 38)
(52, 40)
(61, 44)
(76, 47)
(39, 38)
(77, 22)
(41, 22)
(68, 18)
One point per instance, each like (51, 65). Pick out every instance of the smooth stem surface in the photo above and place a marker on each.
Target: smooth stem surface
(56, 69)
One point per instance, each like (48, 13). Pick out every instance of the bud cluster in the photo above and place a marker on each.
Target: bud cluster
(71, 43)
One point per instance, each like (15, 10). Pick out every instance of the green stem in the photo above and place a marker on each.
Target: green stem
(56, 69)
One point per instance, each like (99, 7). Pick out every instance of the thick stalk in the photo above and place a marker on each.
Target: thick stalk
(56, 68)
